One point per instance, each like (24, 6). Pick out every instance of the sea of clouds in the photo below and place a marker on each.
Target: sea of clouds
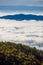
(25, 32)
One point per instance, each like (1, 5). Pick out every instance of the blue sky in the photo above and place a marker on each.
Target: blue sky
(21, 2)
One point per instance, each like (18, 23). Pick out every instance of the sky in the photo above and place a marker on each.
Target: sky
(21, 2)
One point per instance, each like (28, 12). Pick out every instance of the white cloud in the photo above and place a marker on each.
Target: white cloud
(26, 32)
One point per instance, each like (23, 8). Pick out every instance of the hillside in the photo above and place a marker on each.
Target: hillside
(18, 54)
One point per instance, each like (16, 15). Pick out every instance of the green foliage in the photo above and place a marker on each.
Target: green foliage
(19, 54)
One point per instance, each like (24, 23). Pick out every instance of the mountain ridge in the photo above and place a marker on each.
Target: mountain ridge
(23, 17)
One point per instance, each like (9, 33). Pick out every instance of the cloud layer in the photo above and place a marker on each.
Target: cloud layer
(22, 2)
(26, 32)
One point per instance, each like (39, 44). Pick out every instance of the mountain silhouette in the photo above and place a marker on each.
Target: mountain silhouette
(20, 17)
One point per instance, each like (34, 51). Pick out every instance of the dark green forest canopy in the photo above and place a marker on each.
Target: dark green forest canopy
(19, 54)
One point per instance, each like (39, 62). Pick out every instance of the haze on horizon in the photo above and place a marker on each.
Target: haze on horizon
(21, 2)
